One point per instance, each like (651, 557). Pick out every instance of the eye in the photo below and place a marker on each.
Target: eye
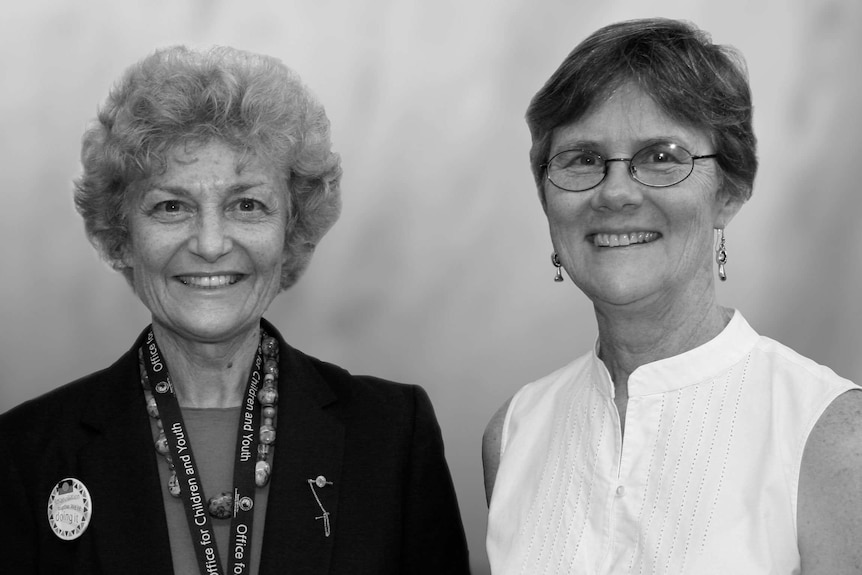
(576, 160)
(169, 209)
(662, 154)
(170, 206)
(248, 205)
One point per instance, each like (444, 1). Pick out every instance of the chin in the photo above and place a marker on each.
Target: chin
(214, 330)
(619, 291)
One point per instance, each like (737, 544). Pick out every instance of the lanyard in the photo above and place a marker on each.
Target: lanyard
(191, 488)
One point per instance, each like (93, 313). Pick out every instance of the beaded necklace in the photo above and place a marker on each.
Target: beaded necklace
(249, 474)
(221, 506)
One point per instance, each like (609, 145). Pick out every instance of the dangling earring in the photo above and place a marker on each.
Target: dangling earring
(721, 255)
(556, 261)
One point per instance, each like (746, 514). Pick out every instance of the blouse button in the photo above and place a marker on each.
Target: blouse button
(621, 491)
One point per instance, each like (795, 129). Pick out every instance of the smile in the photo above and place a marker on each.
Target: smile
(210, 282)
(621, 240)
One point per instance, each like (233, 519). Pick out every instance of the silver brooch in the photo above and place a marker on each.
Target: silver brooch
(320, 482)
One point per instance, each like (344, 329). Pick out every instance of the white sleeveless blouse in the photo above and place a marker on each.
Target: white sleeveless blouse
(705, 482)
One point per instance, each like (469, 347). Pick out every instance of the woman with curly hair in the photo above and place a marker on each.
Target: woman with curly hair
(213, 446)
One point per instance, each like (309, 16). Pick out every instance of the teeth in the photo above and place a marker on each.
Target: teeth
(209, 281)
(616, 240)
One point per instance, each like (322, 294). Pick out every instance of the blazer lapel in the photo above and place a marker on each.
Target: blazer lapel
(116, 461)
(309, 445)
(128, 515)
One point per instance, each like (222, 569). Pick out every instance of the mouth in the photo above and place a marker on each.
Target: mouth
(601, 240)
(210, 281)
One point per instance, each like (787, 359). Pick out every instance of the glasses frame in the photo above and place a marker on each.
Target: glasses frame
(631, 169)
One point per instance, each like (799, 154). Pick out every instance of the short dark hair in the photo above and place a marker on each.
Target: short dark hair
(695, 82)
(176, 96)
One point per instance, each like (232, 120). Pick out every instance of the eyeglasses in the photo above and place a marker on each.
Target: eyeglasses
(658, 166)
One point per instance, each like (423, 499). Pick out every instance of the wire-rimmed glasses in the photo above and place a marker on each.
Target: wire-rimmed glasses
(658, 165)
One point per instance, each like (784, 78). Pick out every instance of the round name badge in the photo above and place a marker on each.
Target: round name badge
(69, 509)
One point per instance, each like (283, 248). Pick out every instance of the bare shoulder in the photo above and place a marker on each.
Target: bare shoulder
(830, 490)
(491, 442)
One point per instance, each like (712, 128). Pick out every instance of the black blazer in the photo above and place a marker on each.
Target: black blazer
(392, 503)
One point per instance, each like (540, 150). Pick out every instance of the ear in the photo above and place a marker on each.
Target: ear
(726, 208)
(125, 259)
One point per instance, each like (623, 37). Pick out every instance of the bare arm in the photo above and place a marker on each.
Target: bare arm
(491, 448)
(830, 491)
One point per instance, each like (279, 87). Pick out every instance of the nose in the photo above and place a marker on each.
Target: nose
(619, 189)
(211, 238)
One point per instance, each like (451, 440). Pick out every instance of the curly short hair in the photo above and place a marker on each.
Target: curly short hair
(692, 80)
(175, 96)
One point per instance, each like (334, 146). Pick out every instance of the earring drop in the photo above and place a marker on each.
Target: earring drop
(555, 259)
(721, 256)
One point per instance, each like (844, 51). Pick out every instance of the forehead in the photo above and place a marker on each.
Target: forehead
(625, 121)
(212, 156)
(211, 169)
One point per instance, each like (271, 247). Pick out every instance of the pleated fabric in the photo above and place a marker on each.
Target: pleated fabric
(705, 481)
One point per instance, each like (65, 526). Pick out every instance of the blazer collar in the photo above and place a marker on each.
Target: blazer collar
(118, 459)
(119, 463)
(310, 444)
(300, 371)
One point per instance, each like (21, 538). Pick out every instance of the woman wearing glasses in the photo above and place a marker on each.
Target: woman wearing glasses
(684, 442)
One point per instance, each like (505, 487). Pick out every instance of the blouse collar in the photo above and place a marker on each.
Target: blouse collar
(688, 368)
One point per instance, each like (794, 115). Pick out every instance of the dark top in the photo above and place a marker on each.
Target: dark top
(392, 502)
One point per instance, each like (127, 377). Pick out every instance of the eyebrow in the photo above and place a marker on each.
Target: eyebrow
(578, 145)
(176, 190)
(595, 146)
(232, 190)
(240, 188)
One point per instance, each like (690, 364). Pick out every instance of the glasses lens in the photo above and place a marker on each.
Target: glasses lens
(662, 165)
(576, 170)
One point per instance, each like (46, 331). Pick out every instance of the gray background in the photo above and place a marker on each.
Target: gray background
(438, 272)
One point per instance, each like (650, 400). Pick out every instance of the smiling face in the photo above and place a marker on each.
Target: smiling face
(624, 243)
(206, 242)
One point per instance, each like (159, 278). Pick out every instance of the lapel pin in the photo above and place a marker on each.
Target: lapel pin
(70, 508)
(321, 482)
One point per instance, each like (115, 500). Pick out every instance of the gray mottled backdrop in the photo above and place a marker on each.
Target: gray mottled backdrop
(438, 271)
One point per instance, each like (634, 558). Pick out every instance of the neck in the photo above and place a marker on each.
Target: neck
(208, 375)
(629, 339)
